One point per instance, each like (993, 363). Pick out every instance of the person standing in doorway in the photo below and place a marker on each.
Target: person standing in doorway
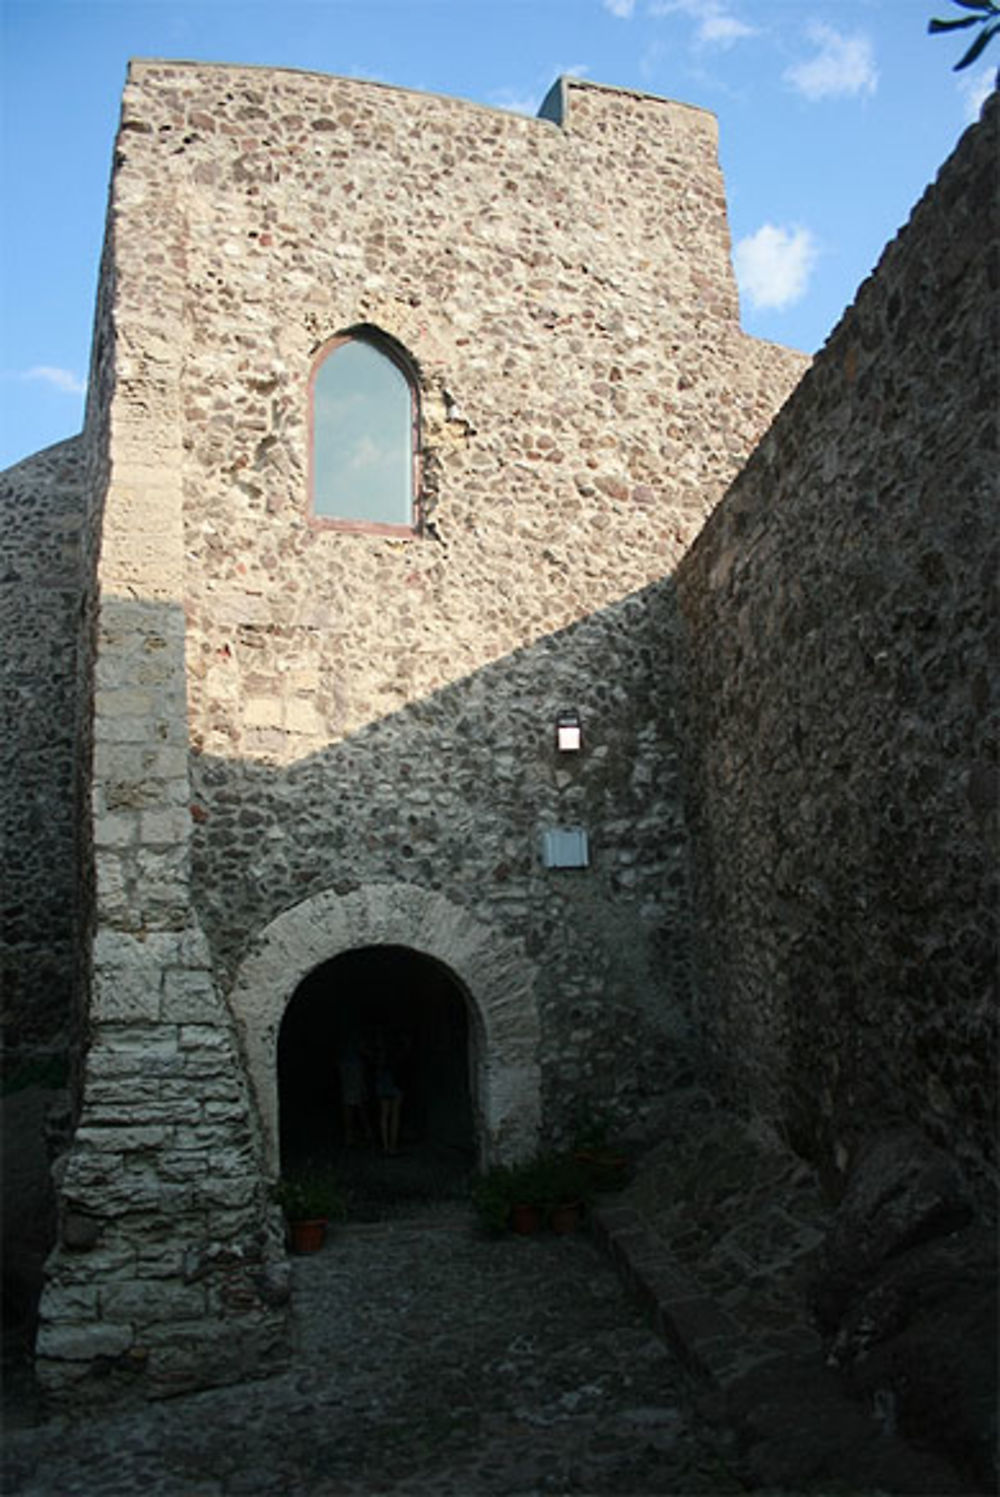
(390, 1098)
(353, 1092)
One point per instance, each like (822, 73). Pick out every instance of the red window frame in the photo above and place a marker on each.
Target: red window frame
(383, 344)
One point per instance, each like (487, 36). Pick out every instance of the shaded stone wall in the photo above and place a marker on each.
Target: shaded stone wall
(43, 908)
(841, 710)
(42, 568)
(48, 560)
(51, 533)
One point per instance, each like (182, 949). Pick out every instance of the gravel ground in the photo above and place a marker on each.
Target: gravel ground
(430, 1359)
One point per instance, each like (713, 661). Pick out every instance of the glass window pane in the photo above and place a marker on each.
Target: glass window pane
(362, 437)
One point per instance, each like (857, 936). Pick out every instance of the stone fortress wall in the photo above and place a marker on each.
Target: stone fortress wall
(308, 741)
(51, 536)
(841, 708)
(41, 597)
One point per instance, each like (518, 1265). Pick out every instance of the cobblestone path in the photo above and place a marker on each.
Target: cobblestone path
(430, 1359)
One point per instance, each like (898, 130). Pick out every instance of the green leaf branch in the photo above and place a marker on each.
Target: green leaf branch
(983, 13)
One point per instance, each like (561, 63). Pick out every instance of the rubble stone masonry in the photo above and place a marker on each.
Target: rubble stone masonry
(841, 711)
(45, 717)
(308, 740)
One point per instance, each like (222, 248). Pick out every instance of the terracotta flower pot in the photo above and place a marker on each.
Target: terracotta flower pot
(307, 1236)
(566, 1217)
(606, 1168)
(525, 1219)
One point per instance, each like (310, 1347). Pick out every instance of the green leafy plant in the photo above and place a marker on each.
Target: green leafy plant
(591, 1130)
(984, 13)
(310, 1195)
(544, 1180)
(606, 1167)
(530, 1181)
(549, 1179)
(493, 1196)
(561, 1180)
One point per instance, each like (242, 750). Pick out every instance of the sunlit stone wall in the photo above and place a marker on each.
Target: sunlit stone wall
(365, 710)
(292, 720)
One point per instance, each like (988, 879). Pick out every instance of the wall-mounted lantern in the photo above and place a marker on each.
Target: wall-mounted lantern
(569, 733)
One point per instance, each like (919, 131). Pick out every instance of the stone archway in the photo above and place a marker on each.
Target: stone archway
(493, 969)
(365, 1010)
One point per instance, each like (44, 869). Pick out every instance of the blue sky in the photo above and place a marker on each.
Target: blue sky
(833, 114)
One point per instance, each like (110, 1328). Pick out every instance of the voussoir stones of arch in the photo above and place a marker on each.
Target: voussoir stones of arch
(494, 971)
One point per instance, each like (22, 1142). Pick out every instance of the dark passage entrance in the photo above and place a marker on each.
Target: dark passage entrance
(379, 1009)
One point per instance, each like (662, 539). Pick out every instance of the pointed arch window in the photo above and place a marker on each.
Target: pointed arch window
(364, 436)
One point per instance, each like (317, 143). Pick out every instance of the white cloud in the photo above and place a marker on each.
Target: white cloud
(716, 26)
(975, 89)
(773, 266)
(621, 8)
(366, 453)
(59, 379)
(716, 29)
(843, 65)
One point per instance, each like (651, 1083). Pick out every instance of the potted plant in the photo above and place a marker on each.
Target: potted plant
(309, 1199)
(492, 1197)
(547, 1187)
(565, 1185)
(527, 1206)
(510, 1196)
(551, 1187)
(606, 1166)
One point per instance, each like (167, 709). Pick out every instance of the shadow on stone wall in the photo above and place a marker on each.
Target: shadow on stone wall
(840, 713)
(41, 597)
(45, 889)
(453, 794)
(448, 798)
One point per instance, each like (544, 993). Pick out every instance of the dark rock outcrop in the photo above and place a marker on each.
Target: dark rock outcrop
(907, 1296)
(799, 1430)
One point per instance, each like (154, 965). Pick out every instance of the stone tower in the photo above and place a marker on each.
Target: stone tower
(323, 731)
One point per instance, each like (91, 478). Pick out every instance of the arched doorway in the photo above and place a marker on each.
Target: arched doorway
(487, 967)
(380, 1003)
